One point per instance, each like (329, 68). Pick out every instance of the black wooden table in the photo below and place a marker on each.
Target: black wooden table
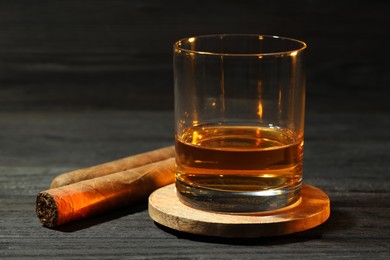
(85, 82)
(346, 154)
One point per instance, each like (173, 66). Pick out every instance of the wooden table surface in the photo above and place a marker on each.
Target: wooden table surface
(85, 82)
(349, 163)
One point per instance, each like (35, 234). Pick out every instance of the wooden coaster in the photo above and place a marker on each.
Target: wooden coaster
(312, 210)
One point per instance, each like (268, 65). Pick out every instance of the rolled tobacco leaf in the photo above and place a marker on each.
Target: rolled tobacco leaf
(98, 195)
(114, 166)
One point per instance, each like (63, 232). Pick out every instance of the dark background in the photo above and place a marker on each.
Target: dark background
(118, 54)
(89, 81)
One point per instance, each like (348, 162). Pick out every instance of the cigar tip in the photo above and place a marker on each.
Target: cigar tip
(53, 184)
(46, 209)
(58, 181)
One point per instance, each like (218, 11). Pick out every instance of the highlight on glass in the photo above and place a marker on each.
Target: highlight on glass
(239, 121)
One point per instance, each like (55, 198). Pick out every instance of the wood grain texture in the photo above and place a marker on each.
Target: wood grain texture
(350, 166)
(118, 54)
(310, 211)
(77, 76)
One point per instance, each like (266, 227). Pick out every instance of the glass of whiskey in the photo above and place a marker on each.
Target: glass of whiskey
(239, 121)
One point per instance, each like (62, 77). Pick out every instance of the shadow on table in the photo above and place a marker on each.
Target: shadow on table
(338, 221)
(93, 221)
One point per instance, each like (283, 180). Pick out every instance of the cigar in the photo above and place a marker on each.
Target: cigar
(114, 166)
(87, 198)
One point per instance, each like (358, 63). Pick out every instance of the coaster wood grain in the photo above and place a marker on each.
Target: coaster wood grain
(312, 210)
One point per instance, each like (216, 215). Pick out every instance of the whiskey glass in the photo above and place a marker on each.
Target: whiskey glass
(239, 121)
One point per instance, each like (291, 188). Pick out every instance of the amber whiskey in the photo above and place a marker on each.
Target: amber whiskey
(238, 159)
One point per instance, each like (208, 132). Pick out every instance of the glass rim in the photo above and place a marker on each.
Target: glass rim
(291, 52)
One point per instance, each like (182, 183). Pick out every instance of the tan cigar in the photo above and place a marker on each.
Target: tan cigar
(98, 195)
(114, 166)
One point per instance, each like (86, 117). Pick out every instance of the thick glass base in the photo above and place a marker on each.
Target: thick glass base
(237, 202)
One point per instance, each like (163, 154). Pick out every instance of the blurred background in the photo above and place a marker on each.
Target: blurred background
(95, 54)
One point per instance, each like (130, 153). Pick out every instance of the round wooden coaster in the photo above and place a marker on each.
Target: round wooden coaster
(312, 210)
